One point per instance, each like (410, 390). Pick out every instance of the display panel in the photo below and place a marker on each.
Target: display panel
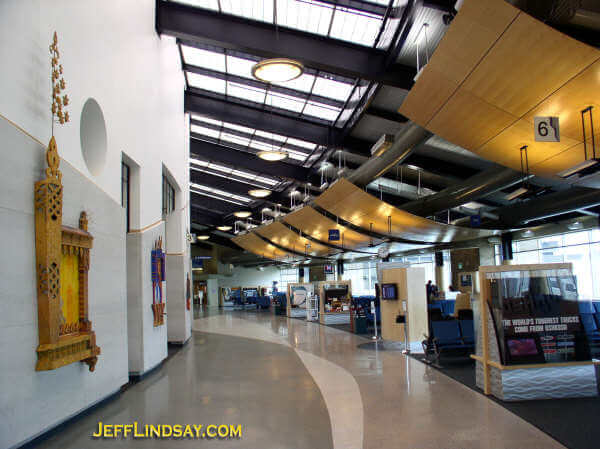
(389, 291)
(466, 280)
(328, 268)
(536, 317)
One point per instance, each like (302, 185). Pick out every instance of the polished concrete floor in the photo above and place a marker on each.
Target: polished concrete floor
(292, 384)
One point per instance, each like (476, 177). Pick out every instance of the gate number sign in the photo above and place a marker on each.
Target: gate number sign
(546, 129)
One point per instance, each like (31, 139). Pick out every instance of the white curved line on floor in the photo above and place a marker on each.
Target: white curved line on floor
(338, 387)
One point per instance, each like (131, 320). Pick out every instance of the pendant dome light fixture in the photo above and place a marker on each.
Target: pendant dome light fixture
(277, 70)
(272, 155)
(242, 214)
(259, 193)
(224, 228)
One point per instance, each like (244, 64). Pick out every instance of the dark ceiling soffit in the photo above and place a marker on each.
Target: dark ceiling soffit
(266, 40)
(218, 153)
(386, 115)
(258, 118)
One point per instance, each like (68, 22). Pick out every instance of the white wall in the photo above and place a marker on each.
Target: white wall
(110, 52)
(250, 277)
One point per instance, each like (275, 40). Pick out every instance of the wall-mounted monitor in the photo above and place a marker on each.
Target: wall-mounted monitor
(466, 280)
(328, 268)
(389, 291)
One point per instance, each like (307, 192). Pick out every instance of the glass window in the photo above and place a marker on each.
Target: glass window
(125, 191)
(168, 197)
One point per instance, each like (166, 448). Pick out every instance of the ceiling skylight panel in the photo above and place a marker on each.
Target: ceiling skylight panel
(267, 181)
(220, 168)
(302, 143)
(206, 82)
(332, 89)
(205, 131)
(243, 174)
(285, 102)
(244, 141)
(240, 128)
(207, 120)
(247, 93)
(306, 15)
(198, 162)
(302, 83)
(250, 9)
(321, 111)
(298, 157)
(359, 28)
(271, 136)
(263, 146)
(206, 4)
(203, 58)
(239, 66)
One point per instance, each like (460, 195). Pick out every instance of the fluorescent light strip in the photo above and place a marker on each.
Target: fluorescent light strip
(218, 198)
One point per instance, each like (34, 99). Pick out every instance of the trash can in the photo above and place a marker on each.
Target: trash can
(360, 324)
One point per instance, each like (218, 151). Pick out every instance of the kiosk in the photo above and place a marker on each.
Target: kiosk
(530, 341)
(403, 305)
(334, 302)
(297, 298)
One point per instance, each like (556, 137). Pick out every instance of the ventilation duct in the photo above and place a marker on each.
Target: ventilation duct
(405, 141)
(475, 187)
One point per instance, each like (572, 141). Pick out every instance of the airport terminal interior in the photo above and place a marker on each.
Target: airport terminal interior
(311, 224)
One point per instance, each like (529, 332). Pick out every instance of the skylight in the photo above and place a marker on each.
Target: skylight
(203, 188)
(248, 138)
(312, 95)
(227, 172)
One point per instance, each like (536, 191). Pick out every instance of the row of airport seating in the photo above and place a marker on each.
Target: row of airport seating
(456, 336)
(364, 302)
(446, 306)
(589, 312)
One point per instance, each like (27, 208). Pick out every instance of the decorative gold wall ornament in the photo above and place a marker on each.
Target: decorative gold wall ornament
(58, 86)
(65, 332)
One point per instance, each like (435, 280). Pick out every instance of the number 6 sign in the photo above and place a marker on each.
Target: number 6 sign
(545, 129)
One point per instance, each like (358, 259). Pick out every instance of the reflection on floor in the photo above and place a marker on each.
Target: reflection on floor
(573, 422)
(293, 384)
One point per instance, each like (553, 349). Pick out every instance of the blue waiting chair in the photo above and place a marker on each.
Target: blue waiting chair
(586, 307)
(446, 337)
(597, 306)
(590, 326)
(467, 330)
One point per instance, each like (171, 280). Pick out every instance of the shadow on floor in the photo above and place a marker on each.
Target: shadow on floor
(572, 422)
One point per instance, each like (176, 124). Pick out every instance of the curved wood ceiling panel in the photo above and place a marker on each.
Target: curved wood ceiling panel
(283, 236)
(312, 223)
(254, 244)
(358, 207)
(493, 72)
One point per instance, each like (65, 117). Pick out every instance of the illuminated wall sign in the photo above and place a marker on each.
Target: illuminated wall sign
(546, 129)
(334, 235)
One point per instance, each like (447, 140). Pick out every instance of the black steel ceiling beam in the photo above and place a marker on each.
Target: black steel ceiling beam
(218, 153)
(386, 115)
(204, 217)
(266, 40)
(224, 109)
(360, 5)
(260, 85)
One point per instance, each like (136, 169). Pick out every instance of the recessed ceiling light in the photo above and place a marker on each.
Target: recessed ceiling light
(277, 70)
(224, 228)
(272, 156)
(259, 193)
(528, 233)
(575, 225)
(242, 214)
(203, 237)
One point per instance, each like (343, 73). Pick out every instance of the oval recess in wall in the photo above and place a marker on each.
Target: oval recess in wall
(92, 135)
